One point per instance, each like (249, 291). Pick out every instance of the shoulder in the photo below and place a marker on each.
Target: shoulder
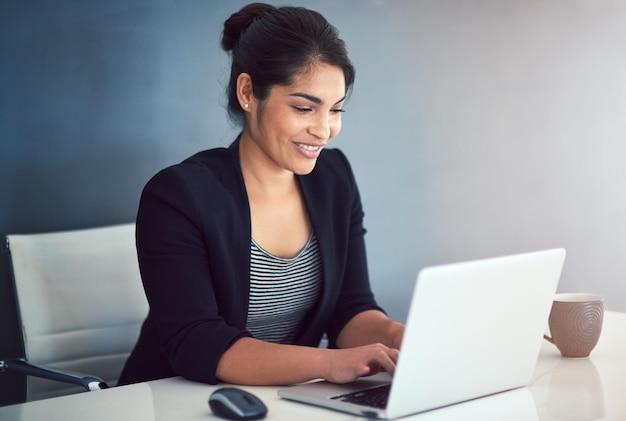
(204, 169)
(211, 162)
(209, 181)
(204, 189)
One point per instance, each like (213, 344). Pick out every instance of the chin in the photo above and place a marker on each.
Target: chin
(304, 169)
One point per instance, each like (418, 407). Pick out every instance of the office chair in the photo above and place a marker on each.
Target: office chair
(80, 303)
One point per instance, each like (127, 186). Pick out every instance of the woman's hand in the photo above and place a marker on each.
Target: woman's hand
(346, 365)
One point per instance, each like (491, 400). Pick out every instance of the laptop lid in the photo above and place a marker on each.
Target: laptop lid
(473, 329)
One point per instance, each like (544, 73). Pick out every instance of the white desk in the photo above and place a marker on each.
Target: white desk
(562, 389)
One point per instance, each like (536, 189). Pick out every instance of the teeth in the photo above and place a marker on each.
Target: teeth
(308, 147)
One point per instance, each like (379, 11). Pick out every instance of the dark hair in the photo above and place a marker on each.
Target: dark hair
(274, 44)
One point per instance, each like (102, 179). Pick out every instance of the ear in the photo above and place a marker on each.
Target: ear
(245, 94)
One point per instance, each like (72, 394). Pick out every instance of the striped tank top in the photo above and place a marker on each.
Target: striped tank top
(282, 291)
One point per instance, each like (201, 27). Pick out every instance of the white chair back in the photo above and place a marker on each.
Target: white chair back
(81, 302)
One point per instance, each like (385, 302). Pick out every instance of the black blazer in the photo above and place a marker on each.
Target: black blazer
(193, 243)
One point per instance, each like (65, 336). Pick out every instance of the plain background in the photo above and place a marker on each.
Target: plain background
(476, 127)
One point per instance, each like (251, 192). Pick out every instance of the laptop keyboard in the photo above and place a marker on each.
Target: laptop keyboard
(375, 397)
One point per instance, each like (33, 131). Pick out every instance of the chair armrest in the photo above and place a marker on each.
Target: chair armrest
(90, 383)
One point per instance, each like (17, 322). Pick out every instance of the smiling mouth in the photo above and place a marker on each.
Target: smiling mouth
(311, 148)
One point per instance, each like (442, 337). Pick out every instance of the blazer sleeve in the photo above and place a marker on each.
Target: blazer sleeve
(178, 279)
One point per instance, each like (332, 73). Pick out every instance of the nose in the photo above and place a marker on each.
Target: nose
(321, 128)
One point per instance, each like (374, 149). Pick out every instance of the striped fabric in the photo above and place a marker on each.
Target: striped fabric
(282, 291)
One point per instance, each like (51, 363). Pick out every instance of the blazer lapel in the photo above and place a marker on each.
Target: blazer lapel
(321, 219)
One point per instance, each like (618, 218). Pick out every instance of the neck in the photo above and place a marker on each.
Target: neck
(260, 173)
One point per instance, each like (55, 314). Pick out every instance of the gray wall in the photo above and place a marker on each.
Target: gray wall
(479, 128)
(476, 128)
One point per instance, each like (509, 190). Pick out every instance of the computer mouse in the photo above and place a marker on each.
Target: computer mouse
(236, 404)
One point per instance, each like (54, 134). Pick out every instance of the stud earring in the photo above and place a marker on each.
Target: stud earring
(245, 106)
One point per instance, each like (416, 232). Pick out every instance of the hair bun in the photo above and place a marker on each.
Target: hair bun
(240, 21)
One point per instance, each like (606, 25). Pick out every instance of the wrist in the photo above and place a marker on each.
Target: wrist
(321, 363)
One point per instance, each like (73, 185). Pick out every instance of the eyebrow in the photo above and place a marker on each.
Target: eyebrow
(312, 98)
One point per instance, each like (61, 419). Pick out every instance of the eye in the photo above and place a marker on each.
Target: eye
(338, 111)
(303, 109)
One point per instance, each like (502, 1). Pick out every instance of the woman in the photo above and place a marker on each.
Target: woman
(250, 254)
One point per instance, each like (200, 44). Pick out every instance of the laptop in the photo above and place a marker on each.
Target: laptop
(473, 329)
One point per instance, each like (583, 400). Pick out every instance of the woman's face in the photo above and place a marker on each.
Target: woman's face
(290, 127)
